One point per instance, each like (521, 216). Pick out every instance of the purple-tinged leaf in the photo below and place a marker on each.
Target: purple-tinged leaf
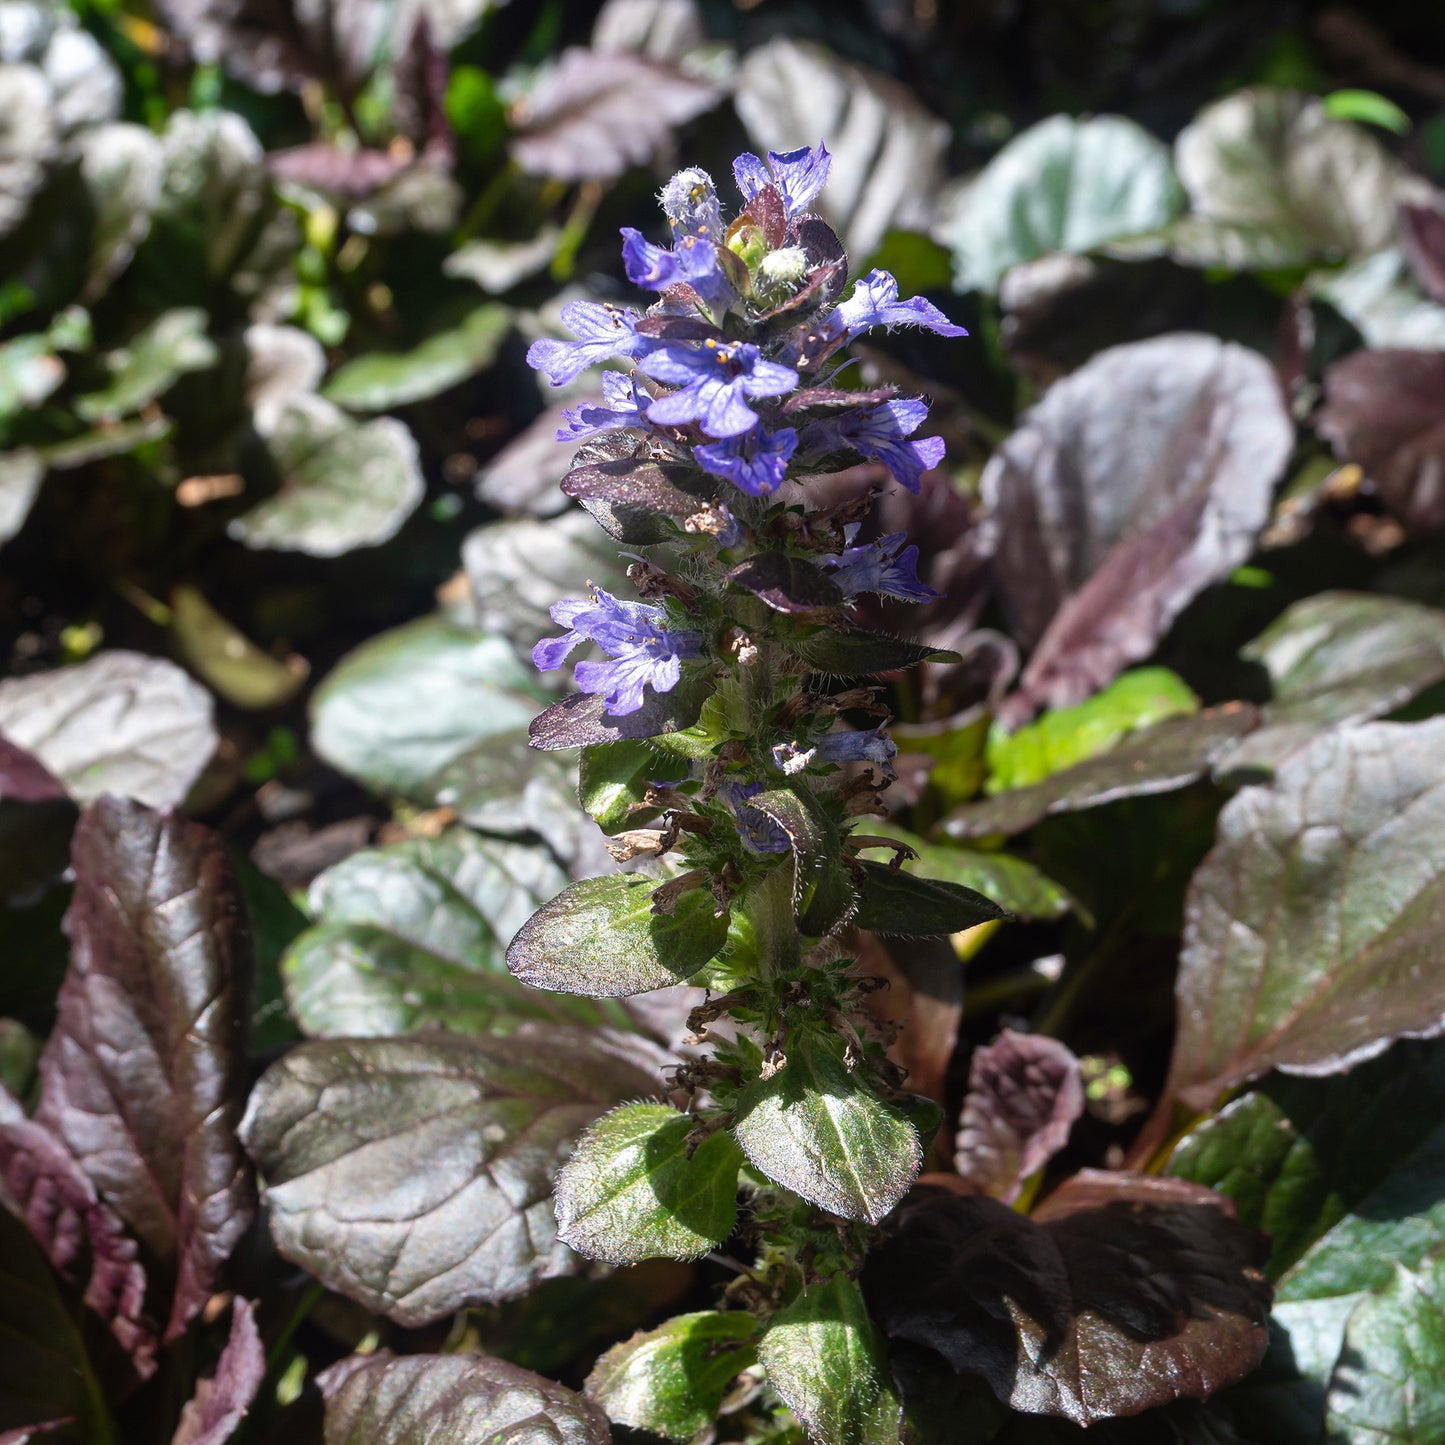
(581, 719)
(855, 654)
(1422, 238)
(144, 1074)
(1136, 482)
(786, 584)
(767, 212)
(414, 1175)
(211, 1415)
(84, 1241)
(24, 778)
(1024, 1094)
(832, 398)
(1170, 755)
(386, 1399)
(1122, 1293)
(595, 113)
(1385, 410)
(348, 175)
(1311, 931)
(674, 327)
(629, 496)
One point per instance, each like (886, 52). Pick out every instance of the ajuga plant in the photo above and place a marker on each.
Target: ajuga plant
(719, 751)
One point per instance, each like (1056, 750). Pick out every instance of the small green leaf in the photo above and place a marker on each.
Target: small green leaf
(892, 901)
(827, 1360)
(612, 778)
(822, 888)
(818, 1129)
(601, 938)
(631, 1192)
(854, 654)
(173, 344)
(671, 1380)
(1367, 106)
(1066, 736)
(1389, 1384)
(384, 380)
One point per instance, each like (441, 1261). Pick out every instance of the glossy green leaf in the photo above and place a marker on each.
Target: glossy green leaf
(820, 1130)
(415, 1175)
(612, 778)
(1065, 737)
(386, 1399)
(1389, 1384)
(1312, 928)
(671, 1380)
(893, 901)
(601, 938)
(382, 380)
(414, 936)
(1063, 185)
(632, 1191)
(827, 1360)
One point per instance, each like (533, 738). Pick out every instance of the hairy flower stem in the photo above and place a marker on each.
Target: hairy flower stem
(769, 908)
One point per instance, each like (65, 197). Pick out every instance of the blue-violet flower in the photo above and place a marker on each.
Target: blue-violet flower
(714, 377)
(875, 302)
(886, 567)
(689, 201)
(604, 332)
(642, 650)
(755, 462)
(758, 831)
(693, 261)
(880, 433)
(623, 403)
(799, 175)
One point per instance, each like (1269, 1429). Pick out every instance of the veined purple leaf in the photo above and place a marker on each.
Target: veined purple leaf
(351, 175)
(1133, 485)
(1123, 1292)
(1422, 238)
(211, 1415)
(1386, 411)
(82, 1237)
(1024, 1094)
(143, 1076)
(598, 112)
(24, 778)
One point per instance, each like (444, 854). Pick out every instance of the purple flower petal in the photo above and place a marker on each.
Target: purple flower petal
(875, 302)
(755, 462)
(603, 332)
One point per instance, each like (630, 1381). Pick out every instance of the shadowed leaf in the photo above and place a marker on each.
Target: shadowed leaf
(581, 719)
(892, 901)
(1122, 1293)
(822, 887)
(855, 654)
(220, 1403)
(1024, 1096)
(415, 1175)
(786, 584)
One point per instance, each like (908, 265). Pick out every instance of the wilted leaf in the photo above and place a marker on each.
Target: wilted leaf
(1136, 482)
(1389, 1383)
(415, 1175)
(382, 380)
(1065, 737)
(582, 122)
(892, 901)
(1024, 1095)
(344, 484)
(671, 1380)
(1063, 185)
(1311, 928)
(828, 1362)
(601, 938)
(386, 1399)
(888, 151)
(41, 1183)
(1274, 181)
(144, 1073)
(1386, 411)
(173, 344)
(633, 1191)
(1122, 1293)
(212, 1414)
(1159, 759)
(21, 473)
(45, 1377)
(414, 936)
(120, 723)
(1338, 657)
(818, 1129)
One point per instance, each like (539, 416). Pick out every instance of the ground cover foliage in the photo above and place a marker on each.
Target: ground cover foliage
(350, 1092)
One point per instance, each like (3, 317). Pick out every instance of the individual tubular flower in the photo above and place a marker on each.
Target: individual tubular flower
(799, 175)
(875, 302)
(714, 379)
(758, 831)
(755, 462)
(886, 567)
(880, 433)
(869, 746)
(641, 649)
(693, 261)
(624, 403)
(603, 332)
(689, 201)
